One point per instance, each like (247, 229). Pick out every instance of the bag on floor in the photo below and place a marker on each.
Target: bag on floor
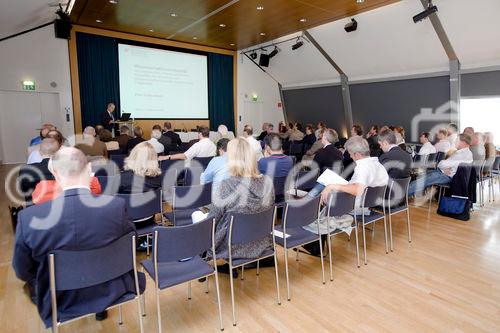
(14, 211)
(455, 207)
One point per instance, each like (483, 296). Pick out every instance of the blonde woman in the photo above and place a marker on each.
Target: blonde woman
(245, 191)
(142, 172)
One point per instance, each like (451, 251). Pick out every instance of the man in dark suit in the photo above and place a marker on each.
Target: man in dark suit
(76, 220)
(175, 139)
(164, 140)
(108, 117)
(31, 174)
(138, 133)
(123, 138)
(396, 161)
(329, 156)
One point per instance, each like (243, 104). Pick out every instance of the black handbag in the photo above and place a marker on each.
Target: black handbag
(14, 212)
(455, 207)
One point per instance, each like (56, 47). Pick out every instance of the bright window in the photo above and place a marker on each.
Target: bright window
(483, 114)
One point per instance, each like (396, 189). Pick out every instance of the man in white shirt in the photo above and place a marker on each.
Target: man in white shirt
(427, 147)
(369, 172)
(443, 145)
(446, 168)
(453, 135)
(248, 135)
(155, 136)
(203, 148)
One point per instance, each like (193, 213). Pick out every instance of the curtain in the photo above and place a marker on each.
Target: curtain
(220, 91)
(98, 74)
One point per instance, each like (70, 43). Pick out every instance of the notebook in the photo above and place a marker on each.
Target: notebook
(329, 177)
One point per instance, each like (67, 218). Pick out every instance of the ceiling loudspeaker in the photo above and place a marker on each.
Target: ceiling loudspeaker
(62, 29)
(351, 26)
(264, 60)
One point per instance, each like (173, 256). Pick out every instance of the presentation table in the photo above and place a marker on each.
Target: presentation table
(189, 136)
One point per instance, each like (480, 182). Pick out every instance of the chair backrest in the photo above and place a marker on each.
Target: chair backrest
(374, 197)
(192, 175)
(496, 163)
(191, 197)
(109, 185)
(82, 269)
(340, 203)
(245, 228)
(118, 159)
(398, 192)
(203, 161)
(143, 205)
(109, 168)
(306, 179)
(431, 159)
(176, 243)
(296, 148)
(279, 184)
(300, 213)
(440, 156)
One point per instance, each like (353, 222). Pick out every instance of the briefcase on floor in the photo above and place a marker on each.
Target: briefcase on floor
(455, 207)
(14, 211)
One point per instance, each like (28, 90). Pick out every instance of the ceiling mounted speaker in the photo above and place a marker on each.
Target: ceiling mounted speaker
(264, 60)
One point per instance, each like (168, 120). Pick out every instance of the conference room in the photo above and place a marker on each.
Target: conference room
(249, 166)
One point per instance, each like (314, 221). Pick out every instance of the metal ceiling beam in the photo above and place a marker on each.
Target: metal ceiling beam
(346, 94)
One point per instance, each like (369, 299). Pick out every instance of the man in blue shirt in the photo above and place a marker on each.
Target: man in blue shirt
(274, 163)
(216, 170)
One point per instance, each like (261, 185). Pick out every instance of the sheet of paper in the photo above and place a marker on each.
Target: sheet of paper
(329, 177)
(279, 234)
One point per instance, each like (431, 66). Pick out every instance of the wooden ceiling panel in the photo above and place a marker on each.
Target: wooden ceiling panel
(198, 21)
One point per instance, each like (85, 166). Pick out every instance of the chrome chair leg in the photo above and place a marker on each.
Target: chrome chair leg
(357, 243)
(322, 261)
(408, 223)
(207, 286)
(385, 235)
(277, 277)
(257, 272)
(147, 245)
(364, 243)
(143, 305)
(120, 315)
(297, 254)
(329, 240)
(232, 293)
(158, 311)
(140, 312)
(189, 290)
(390, 233)
(286, 274)
(242, 273)
(218, 299)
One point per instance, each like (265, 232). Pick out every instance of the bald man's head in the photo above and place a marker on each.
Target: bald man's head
(89, 130)
(49, 147)
(69, 165)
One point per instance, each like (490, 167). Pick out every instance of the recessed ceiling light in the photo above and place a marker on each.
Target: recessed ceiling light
(173, 14)
(194, 37)
(232, 44)
(360, 1)
(260, 7)
(98, 21)
(151, 30)
(114, 2)
(222, 25)
(262, 33)
(303, 20)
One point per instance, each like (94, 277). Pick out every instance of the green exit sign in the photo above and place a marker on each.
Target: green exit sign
(28, 85)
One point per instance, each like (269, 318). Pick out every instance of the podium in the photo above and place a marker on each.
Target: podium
(119, 123)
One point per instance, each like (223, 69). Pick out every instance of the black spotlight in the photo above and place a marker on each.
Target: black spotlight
(253, 55)
(264, 60)
(298, 44)
(274, 52)
(351, 26)
(431, 9)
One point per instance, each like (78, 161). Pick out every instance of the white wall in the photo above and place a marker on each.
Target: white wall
(251, 80)
(41, 57)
